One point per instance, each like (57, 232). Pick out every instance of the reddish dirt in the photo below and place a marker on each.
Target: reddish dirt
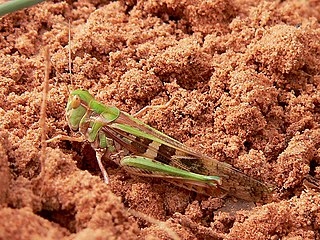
(245, 78)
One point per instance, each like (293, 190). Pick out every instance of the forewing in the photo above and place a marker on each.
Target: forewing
(144, 140)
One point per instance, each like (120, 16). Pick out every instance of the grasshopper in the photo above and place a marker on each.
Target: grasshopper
(145, 151)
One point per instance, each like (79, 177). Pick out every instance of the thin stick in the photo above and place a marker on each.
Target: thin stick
(42, 121)
(147, 108)
(162, 225)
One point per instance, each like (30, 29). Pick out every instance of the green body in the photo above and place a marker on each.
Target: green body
(145, 151)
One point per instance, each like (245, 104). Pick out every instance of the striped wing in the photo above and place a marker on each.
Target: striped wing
(141, 139)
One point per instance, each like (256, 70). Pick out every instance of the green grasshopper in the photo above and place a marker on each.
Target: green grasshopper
(145, 151)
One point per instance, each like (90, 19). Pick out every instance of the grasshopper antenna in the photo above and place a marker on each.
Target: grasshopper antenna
(70, 70)
(69, 57)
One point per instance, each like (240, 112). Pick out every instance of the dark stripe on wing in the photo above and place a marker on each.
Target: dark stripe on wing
(192, 163)
(140, 144)
(164, 154)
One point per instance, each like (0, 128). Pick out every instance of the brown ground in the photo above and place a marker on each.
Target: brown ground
(245, 77)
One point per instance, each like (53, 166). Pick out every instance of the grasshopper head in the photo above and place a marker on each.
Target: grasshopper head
(77, 106)
(80, 102)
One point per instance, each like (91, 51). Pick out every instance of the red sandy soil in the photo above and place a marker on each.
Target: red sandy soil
(245, 78)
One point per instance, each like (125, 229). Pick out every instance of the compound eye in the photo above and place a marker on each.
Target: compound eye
(75, 102)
